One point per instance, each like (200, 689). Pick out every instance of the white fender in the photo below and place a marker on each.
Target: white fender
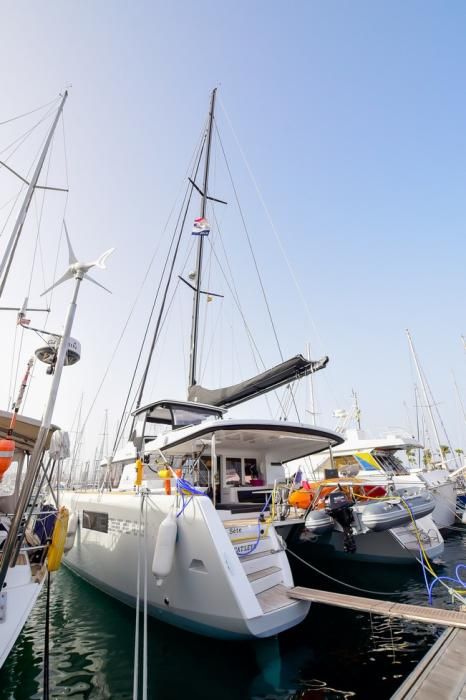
(164, 551)
(71, 532)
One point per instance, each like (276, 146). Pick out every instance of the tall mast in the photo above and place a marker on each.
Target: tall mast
(7, 258)
(312, 403)
(200, 247)
(426, 399)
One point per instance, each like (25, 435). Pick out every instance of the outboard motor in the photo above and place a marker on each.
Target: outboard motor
(339, 507)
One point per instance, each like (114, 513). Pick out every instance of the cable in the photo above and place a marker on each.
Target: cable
(26, 114)
(338, 581)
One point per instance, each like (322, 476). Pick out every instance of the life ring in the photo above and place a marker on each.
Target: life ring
(7, 451)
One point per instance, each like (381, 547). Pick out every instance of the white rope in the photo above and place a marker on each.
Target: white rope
(136, 631)
(144, 648)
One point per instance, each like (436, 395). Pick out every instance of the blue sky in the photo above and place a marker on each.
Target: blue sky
(352, 118)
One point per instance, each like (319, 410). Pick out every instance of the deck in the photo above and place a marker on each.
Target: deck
(441, 673)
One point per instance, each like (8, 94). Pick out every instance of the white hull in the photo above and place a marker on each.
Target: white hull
(210, 589)
(444, 494)
(22, 593)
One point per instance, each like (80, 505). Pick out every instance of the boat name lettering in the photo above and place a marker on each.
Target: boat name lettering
(125, 527)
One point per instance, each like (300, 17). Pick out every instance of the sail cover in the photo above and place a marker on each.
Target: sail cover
(294, 368)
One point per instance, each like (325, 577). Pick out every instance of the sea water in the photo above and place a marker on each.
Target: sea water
(333, 654)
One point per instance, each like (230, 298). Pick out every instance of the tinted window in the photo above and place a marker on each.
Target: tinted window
(191, 416)
(95, 521)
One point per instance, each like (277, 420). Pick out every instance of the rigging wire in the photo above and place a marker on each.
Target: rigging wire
(22, 138)
(187, 198)
(124, 416)
(235, 296)
(48, 298)
(165, 293)
(26, 114)
(259, 277)
(39, 221)
(277, 237)
(140, 386)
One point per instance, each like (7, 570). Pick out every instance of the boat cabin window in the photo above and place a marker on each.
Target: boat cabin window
(233, 471)
(196, 470)
(391, 464)
(190, 416)
(241, 471)
(165, 417)
(346, 465)
(95, 521)
(116, 470)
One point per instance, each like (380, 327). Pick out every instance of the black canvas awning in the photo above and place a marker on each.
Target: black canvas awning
(284, 373)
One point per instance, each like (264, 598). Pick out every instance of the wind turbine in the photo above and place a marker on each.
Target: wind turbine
(79, 270)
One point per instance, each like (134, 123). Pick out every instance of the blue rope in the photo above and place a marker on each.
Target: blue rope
(457, 579)
(183, 485)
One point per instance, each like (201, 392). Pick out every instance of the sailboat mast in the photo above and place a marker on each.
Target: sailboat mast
(426, 399)
(7, 258)
(200, 249)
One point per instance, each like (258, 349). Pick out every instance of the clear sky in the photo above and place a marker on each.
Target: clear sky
(352, 118)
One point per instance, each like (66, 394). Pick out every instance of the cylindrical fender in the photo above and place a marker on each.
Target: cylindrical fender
(71, 533)
(164, 552)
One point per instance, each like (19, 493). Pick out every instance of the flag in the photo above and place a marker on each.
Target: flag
(201, 227)
(22, 320)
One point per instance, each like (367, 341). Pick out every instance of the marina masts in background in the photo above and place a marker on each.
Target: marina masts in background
(426, 399)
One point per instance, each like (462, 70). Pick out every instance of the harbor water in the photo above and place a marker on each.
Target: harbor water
(334, 654)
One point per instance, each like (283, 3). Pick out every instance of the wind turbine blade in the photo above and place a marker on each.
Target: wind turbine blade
(88, 277)
(71, 256)
(100, 262)
(67, 276)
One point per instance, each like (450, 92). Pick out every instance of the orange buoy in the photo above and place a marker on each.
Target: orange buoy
(7, 451)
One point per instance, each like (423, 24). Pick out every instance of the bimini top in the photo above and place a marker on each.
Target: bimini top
(178, 413)
(283, 441)
(25, 432)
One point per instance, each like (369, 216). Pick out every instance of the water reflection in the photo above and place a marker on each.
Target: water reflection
(334, 654)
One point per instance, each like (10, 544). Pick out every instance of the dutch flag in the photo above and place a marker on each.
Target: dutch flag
(201, 227)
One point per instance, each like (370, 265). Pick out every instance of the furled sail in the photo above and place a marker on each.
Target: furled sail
(288, 371)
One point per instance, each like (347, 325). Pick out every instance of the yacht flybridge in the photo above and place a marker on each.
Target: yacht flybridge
(225, 572)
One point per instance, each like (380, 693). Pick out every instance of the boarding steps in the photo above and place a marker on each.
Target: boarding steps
(262, 565)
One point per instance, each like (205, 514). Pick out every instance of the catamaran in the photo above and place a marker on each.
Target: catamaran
(192, 495)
